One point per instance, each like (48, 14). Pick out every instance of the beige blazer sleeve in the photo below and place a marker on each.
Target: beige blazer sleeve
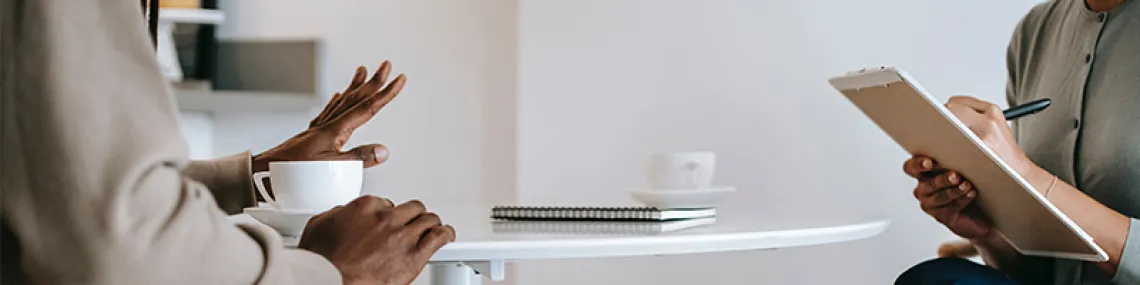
(91, 159)
(228, 179)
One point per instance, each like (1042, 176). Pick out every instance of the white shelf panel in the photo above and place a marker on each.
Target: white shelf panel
(191, 16)
(244, 101)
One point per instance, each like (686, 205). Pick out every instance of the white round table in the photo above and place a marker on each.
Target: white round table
(479, 250)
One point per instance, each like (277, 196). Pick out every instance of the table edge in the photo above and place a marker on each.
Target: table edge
(511, 250)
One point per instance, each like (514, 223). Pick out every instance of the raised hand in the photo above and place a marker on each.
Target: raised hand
(331, 129)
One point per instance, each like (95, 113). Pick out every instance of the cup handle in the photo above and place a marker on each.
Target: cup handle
(259, 182)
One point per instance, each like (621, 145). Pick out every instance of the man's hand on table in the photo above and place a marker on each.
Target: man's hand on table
(331, 129)
(373, 242)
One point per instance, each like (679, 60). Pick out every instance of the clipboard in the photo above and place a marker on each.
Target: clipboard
(920, 125)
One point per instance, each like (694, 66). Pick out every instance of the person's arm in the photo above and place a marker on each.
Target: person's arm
(92, 156)
(229, 179)
(1110, 230)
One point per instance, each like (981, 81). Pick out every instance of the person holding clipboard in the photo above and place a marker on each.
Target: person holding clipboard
(1082, 154)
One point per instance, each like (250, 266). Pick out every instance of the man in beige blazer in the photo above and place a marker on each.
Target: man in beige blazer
(97, 188)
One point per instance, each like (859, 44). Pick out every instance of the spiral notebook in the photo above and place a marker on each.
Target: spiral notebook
(597, 213)
(598, 228)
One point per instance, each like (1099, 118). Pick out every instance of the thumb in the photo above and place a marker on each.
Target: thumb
(371, 154)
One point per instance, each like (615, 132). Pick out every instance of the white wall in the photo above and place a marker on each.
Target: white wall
(604, 83)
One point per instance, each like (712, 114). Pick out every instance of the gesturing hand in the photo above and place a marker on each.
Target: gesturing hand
(372, 242)
(331, 129)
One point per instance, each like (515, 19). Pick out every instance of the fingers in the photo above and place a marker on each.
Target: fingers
(364, 90)
(322, 216)
(958, 204)
(404, 213)
(950, 213)
(371, 154)
(355, 92)
(352, 94)
(337, 99)
(424, 222)
(951, 194)
(977, 105)
(948, 179)
(369, 204)
(327, 111)
(429, 229)
(378, 80)
(966, 114)
(434, 239)
(974, 103)
(942, 189)
(919, 167)
(382, 74)
(365, 109)
(358, 78)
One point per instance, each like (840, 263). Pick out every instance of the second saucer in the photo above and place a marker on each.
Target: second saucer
(683, 198)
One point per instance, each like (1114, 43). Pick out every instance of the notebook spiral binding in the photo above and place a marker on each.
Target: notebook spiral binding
(577, 227)
(576, 213)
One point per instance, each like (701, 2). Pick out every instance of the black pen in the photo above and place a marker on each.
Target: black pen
(1026, 109)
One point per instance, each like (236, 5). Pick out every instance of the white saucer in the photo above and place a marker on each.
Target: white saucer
(684, 198)
(286, 222)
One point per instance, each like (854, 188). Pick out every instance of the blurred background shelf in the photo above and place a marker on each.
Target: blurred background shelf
(191, 16)
(250, 76)
(168, 18)
(244, 101)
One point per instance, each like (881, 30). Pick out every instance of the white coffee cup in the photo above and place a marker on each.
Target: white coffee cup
(311, 185)
(683, 170)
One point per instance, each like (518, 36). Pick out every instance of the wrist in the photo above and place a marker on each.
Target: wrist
(1039, 178)
(257, 164)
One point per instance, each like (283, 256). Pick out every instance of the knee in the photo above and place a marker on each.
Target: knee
(934, 271)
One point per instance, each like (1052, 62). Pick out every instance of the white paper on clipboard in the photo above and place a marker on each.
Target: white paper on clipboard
(921, 125)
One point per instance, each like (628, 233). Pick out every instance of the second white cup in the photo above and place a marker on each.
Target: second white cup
(683, 170)
(311, 185)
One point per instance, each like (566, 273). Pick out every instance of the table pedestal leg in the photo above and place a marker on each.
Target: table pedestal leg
(453, 273)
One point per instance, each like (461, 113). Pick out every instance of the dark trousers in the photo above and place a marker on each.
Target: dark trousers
(952, 271)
